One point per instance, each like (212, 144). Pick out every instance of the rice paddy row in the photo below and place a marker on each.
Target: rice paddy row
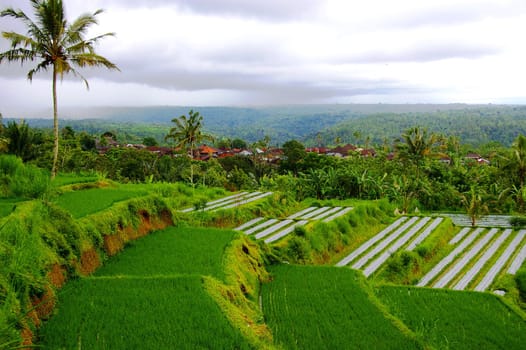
(272, 230)
(477, 258)
(310, 307)
(480, 256)
(231, 201)
(151, 296)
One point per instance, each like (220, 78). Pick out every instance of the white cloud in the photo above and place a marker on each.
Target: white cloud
(205, 52)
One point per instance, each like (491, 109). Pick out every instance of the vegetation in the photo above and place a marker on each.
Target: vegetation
(57, 44)
(456, 320)
(160, 277)
(322, 307)
(107, 196)
(174, 313)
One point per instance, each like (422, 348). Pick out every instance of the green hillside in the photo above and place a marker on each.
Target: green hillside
(311, 124)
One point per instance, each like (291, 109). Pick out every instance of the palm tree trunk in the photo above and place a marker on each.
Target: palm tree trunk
(55, 125)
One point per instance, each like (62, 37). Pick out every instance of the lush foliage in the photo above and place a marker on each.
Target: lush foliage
(456, 320)
(22, 180)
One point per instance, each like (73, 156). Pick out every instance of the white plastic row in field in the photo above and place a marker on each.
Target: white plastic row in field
(273, 229)
(372, 254)
(502, 221)
(232, 201)
(477, 247)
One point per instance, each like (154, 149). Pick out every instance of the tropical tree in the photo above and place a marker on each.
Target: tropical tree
(21, 140)
(54, 44)
(187, 134)
(417, 146)
(519, 152)
(474, 205)
(294, 152)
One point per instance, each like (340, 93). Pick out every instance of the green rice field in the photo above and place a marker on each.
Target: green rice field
(149, 297)
(89, 201)
(450, 319)
(7, 205)
(139, 313)
(327, 308)
(173, 251)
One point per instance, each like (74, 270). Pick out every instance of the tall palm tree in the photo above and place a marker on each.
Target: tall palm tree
(54, 44)
(188, 132)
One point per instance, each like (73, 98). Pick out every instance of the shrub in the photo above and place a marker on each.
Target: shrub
(518, 221)
(299, 249)
(300, 231)
(20, 180)
(520, 279)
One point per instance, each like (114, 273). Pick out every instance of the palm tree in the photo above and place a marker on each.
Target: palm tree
(417, 147)
(55, 45)
(474, 204)
(187, 133)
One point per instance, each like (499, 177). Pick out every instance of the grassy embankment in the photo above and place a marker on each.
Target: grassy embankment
(69, 233)
(181, 288)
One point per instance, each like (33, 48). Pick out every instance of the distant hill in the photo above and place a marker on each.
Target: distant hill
(310, 124)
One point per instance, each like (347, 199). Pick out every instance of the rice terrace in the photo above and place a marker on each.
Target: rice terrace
(300, 212)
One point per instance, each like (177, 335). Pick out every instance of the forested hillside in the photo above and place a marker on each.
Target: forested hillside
(310, 124)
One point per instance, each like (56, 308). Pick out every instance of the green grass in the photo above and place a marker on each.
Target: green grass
(85, 202)
(139, 313)
(195, 251)
(151, 296)
(327, 308)
(7, 205)
(63, 179)
(456, 320)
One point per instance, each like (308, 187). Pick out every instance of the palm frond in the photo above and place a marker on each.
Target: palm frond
(18, 55)
(44, 65)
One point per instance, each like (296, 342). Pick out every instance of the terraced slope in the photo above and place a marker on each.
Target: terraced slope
(310, 307)
(272, 230)
(450, 319)
(404, 233)
(479, 257)
(151, 296)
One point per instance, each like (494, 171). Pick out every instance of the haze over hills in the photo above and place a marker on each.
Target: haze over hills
(311, 124)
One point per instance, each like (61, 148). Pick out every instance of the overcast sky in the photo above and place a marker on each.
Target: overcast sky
(248, 52)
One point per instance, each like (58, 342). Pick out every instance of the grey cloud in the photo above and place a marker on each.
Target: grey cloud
(427, 52)
(266, 9)
(440, 16)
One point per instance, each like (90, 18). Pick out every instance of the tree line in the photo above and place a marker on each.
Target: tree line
(421, 169)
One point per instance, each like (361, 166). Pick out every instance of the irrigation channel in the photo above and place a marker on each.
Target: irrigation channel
(479, 255)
